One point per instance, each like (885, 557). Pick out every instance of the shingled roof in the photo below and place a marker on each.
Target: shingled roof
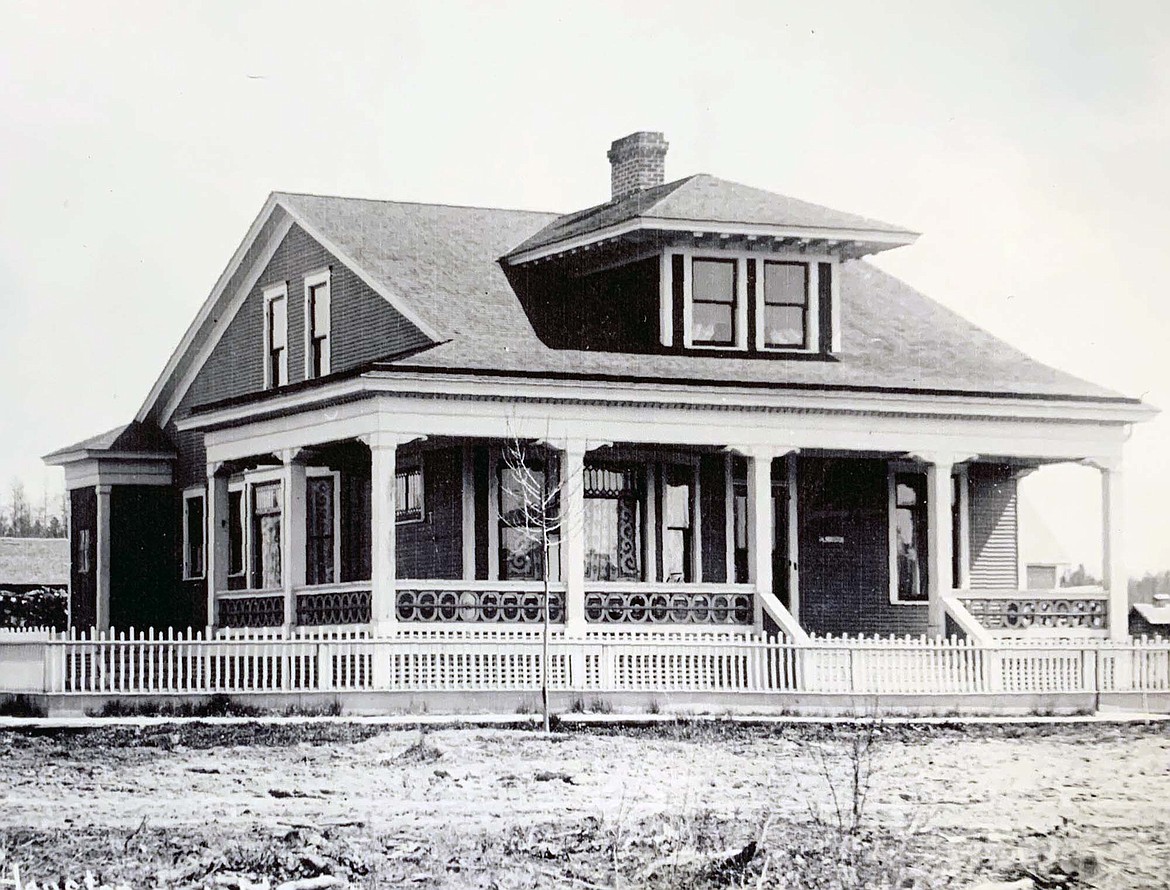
(703, 198)
(443, 260)
(27, 562)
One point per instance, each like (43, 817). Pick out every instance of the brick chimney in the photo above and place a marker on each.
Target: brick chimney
(636, 163)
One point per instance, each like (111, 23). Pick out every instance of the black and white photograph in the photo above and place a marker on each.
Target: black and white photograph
(682, 446)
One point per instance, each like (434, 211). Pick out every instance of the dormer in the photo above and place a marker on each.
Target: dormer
(698, 265)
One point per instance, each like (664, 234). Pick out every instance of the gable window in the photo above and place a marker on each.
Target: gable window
(276, 336)
(194, 534)
(408, 495)
(317, 325)
(783, 306)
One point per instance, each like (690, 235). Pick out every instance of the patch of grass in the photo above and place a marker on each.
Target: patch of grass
(217, 705)
(19, 706)
(600, 706)
(330, 709)
(420, 752)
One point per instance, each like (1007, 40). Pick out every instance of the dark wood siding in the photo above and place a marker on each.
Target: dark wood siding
(845, 586)
(994, 541)
(433, 548)
(83, 585)
(713, 516)
(613, 310)
(145, 590)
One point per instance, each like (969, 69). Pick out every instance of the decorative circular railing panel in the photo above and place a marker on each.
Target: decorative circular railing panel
(479, 606)
(333, 607)
(676, 607)
(1026, 612)
(252, 611)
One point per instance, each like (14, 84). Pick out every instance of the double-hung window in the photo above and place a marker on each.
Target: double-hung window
(714, 303)
(266, 534)
(276, 336)
(613, 538)
(317, 325)
(678, 514)
(783, 307)
(194, 534)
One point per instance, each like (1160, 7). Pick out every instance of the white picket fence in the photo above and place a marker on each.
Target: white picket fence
(336, 660)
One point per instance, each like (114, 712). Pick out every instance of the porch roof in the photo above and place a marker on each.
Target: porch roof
(442, 260)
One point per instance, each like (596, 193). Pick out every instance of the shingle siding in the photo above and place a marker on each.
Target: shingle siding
(363, 327)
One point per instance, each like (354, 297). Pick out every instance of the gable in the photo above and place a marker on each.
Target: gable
(364, 327)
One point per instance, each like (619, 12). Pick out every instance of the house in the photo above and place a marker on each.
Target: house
(752, 431)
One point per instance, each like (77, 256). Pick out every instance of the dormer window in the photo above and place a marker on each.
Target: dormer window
(713, 302)
(783, 310)
(746, 301)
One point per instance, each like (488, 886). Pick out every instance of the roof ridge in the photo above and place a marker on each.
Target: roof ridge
(285, 194)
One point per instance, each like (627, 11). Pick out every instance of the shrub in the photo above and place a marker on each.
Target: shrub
(43, 607)
(19, 706)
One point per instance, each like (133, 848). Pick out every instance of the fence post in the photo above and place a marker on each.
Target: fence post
(325, 681)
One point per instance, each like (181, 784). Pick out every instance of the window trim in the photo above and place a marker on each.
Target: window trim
(271, 294)
(316, 279)
(84, 540)
(406, 470)
(960, 533)
(812, 332)
(748, 303)
(318, 473)
(739, 307)
(199, 493)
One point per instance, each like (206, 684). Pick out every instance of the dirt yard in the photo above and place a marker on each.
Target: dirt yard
(683, 804)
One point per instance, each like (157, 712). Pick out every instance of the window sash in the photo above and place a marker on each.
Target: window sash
(408, 495)
(194, 536)
(909, 538)
(714, 302)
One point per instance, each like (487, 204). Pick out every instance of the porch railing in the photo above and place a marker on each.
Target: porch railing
(647, 605)
(193, 663)
(478, 602)
(1078, 610)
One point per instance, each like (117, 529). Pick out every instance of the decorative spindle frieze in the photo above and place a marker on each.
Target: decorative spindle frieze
(675, 607)
(1023, 612)
(333, 607)
(251, 611)
(479, 606)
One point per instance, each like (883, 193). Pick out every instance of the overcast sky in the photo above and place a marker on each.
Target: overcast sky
(1027, 141)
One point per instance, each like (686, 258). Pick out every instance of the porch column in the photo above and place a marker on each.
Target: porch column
(939, 538)
(102, 532)
(293, 533)
(1112, 553)
(217, 537)
(760, 533)
(573, 536)
(383, 532)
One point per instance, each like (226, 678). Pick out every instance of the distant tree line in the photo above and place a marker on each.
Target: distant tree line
(1142, 590)
(21, 518)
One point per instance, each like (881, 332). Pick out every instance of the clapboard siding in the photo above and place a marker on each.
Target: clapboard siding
(994, 527)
